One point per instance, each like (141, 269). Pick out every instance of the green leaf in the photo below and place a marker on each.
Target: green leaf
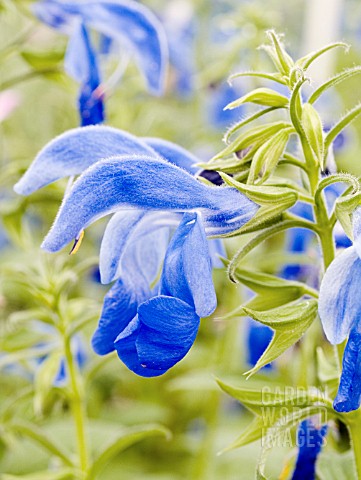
(271, 403)
(263, 283)
(306, 61)
(44, 378)
(333, 466)
(38, 436)
(42, 60)
(340, 125)
(268, 156)
(62, 474)
(284, 424)
(327, 372)
(338, 78)
(254, 137)
(260, 96)
(273, 200)
(275, 77)
(289, 323)
(277, 228)
(125, 440)
(245, 121)
(312, 126)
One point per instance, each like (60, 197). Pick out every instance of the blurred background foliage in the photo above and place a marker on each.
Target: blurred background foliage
(35, 286)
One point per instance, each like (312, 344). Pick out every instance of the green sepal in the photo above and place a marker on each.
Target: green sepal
(273, 201)
(268, 155)
(344, 206)
(246, 121)
(275, 77)
(307, 60)
(255, 137)
(260, 96)
(289, 323)
(312, 126)
(338, 78)
(340, 125)
(284, 62)
(262, 283)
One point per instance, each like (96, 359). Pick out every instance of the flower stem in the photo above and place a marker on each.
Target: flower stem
(77, 406)
(354, 431)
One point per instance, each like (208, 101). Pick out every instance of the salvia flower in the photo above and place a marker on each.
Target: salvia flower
(126, 23)
(340, 313)
(310, 440)
(150, 187)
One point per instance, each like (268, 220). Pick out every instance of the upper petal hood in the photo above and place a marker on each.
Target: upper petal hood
(340, 300)
(74, 151)
(145, 183)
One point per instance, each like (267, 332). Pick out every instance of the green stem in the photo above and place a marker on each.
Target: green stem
(77, 406)
(354, 431)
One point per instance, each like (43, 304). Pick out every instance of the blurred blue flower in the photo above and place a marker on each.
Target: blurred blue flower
(125, 22)
(258, 339)
(339, 309)
(310, 441)
(179, 24)
(220, 95)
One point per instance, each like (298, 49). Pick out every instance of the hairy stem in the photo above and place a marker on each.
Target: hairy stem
(77, 406)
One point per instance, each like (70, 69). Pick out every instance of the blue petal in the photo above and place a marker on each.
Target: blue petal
(135, 26)
(138, 236)
(187, 271)
(169, 327)
(356, 223)
(174, 154)
(340, 300)
(349, 392)
(81, 64)
(56, 14)
(125, 346)
(310, 440)
(159, 337)
(119, 308)
(76, 150)
(144, 183)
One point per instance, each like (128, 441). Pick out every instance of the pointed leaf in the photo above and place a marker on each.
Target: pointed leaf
(260, 96)
(289, 323)
(338, 78)
(127, 438)
(312, 126)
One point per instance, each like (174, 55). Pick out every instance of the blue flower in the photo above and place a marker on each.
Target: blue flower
(179, 25)
(153, 329)
(127, 22)
(150, 188)
(340, 313)
(310, 440)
